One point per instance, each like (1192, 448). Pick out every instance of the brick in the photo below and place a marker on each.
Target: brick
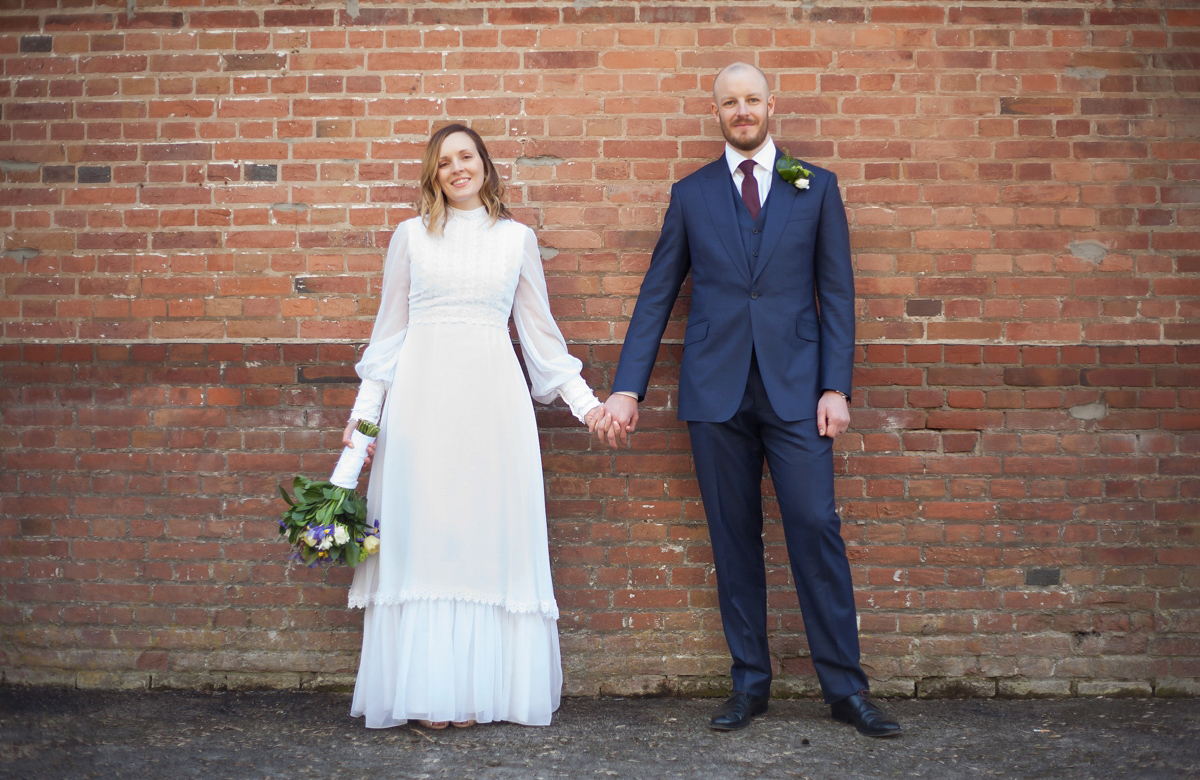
(600, 14)
(561, 59)
(257, 172)
(660, 14)
(223, 19)
(1041, 377)
(150, 20)
(36, 43)
(837, 15)
(298, 17)
(1067, 17)
(63, 22)
(448, 16)
(914, 14)
(257, 61)
(375, 17)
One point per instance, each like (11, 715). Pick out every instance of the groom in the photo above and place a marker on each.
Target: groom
(767, 361)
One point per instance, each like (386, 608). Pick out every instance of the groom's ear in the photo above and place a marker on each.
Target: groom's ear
(770, 105)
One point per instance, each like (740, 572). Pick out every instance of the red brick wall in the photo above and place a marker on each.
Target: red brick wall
(194, 207)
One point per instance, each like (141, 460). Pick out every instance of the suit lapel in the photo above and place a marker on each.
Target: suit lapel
(781, 198)
(724, 219)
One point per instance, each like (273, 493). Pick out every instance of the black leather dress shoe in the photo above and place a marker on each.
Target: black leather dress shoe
(737, 711)
(862, 713)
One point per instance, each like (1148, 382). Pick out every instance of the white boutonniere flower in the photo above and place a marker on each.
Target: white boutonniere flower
(793, 172)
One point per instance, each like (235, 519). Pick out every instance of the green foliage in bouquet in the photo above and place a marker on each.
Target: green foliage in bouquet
(326, 523)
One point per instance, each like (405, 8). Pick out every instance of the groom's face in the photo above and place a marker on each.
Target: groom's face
(742, 107)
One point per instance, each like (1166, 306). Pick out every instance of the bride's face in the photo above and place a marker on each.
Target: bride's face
(460, 171)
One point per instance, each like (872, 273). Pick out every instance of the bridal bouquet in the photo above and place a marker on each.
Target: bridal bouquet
(327, 521)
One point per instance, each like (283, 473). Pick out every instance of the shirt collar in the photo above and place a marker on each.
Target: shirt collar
(765, 156)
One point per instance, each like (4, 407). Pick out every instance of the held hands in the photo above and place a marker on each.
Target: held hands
(349, 442)
(623, 411)
(598, 420)
(833, 415)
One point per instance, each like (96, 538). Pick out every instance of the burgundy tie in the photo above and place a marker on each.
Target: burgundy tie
(750, 188)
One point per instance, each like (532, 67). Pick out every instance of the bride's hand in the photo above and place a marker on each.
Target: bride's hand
(598, 420)
(348, 441)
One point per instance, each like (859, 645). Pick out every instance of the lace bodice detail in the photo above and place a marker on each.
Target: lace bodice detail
(478, 272)
(469, 274)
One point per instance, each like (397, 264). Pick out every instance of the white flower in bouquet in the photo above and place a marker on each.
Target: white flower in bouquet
(340, 534)
(326, 540)
(371, 545)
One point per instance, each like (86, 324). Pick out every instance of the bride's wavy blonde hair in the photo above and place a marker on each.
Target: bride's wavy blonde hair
(432, 208)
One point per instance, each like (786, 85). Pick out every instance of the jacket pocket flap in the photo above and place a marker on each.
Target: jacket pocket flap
(696, 331)
(808, 330)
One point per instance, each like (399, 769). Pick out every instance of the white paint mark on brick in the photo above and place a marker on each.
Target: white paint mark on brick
(1092, 251)
(1096, 411)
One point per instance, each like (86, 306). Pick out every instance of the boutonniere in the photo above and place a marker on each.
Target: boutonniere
(792, 171)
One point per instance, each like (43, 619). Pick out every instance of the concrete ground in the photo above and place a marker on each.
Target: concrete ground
(55, 733)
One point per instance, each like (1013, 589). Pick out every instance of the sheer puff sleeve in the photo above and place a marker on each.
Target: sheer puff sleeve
(378, 362)
(552, 370)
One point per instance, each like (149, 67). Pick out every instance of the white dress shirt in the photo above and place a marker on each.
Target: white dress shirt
(764, 164)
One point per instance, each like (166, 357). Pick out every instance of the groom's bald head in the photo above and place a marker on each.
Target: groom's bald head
(739, 71)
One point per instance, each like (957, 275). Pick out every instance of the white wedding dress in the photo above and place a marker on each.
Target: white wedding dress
(460, 621)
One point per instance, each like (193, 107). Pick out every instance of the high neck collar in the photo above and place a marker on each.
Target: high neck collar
(470, 215)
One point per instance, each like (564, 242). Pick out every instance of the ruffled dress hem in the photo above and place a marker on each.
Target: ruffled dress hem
(453, 660)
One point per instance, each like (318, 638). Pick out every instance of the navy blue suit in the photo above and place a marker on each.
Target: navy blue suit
(771, 327)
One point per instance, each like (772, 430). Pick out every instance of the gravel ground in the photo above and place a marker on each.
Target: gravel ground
(56, 733)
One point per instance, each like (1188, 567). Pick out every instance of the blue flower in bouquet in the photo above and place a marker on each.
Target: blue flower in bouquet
(319, 537)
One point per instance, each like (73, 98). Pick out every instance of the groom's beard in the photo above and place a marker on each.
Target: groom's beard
(745, 144)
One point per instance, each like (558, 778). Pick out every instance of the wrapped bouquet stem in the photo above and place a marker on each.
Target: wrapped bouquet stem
(326, 521)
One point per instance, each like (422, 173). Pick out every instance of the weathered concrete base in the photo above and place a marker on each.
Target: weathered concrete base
(1115, 688)
(956, 688)
(640, 686)
(1170, 688)
(1034, 689)
(896, 687)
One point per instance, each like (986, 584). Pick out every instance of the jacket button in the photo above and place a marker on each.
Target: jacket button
(754, 295)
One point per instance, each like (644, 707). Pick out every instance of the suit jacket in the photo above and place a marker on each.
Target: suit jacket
(795, 310)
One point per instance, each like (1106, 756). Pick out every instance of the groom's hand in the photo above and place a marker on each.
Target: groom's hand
(833, 415)
(624, 413)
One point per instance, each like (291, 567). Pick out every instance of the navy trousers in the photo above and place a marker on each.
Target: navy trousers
(729, 466)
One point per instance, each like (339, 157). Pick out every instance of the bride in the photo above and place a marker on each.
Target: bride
(460, 622)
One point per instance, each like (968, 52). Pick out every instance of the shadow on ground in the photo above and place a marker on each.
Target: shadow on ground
(55, 733)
